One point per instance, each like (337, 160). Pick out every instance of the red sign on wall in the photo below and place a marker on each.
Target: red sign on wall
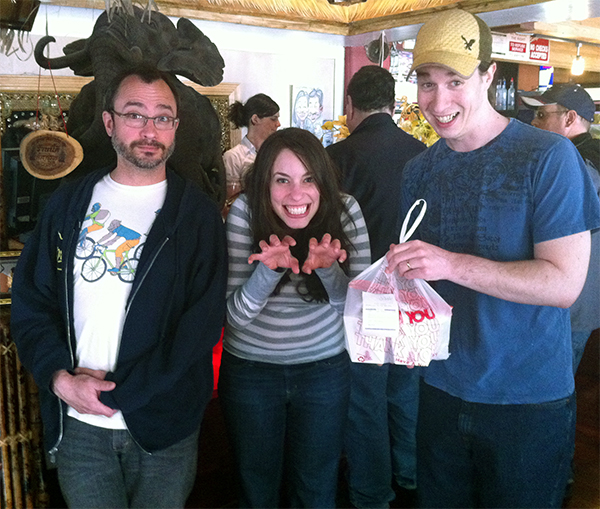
(517, 47)
(539, 50)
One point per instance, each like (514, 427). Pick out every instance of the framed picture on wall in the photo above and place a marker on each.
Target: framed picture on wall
(308, 109)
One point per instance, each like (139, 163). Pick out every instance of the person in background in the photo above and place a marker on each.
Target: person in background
(380, 442)
(295, 241)
(124, 368)
(260, 115)
(568, 109)
(506, 242)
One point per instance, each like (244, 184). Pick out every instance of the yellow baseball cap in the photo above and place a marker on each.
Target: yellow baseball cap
(455, 39)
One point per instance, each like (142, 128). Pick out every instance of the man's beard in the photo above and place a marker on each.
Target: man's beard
(127, 153)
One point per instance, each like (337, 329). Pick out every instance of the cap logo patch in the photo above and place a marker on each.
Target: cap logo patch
(468, 44)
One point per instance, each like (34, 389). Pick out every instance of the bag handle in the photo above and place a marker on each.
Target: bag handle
(405, 235)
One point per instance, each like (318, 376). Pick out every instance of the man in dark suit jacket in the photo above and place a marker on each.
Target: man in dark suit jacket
(380, 438)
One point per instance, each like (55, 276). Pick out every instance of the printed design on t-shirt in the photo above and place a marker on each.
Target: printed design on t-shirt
(98, 217)
(113, 253)
(474, 197)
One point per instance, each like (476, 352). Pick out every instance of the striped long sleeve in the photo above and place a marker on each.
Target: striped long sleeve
(285, 329)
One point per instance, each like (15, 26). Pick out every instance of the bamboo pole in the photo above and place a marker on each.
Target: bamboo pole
(22, 482)
(42, 497)
(24, 436)
(4, 430)
(12, 438)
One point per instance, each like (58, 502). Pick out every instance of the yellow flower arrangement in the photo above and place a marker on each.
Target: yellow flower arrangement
(339, 128)
(413, 122)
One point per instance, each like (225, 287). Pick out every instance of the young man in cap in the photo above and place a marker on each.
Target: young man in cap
(380, 434)
(506, 242)
(568, 109)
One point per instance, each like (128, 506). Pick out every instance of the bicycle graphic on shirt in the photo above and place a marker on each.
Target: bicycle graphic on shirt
(85, 245)
(98, 263)
(96, 257)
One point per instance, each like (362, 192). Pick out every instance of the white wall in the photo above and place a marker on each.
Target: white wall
(259, 59)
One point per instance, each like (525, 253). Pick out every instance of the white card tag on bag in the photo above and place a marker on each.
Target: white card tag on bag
(380, 315)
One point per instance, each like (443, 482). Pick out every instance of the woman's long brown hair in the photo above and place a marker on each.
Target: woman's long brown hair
(265, 222)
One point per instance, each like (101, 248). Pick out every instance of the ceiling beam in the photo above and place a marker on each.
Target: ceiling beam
(281, 22)
(422, 15)
(204, 10)
(571, 30)
(207, 12)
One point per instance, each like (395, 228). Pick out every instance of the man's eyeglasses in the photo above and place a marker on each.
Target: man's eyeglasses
(137, 120)
(540, 114)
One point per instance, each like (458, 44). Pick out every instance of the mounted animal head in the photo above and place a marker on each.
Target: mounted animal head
(126, 40)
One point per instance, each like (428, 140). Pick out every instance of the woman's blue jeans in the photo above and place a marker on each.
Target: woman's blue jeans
(286, 420)
(105, 468)
(480, 455)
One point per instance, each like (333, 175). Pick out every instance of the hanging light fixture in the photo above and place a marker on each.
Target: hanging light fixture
(578, 65)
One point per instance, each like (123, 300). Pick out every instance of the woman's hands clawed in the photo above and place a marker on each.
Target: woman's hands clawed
(322, 255)
(276, 254)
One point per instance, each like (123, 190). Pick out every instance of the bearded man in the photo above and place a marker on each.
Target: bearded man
(124, 364)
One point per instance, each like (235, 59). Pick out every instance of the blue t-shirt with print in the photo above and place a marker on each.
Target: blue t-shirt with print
(524, 187)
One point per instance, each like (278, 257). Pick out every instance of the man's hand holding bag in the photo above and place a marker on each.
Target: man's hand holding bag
(391, 319)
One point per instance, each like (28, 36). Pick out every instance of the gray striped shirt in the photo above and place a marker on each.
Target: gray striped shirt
(284, 329)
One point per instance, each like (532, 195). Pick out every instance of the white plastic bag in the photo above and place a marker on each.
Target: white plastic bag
(422, 331)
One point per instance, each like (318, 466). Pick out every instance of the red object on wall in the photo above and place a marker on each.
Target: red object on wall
(355, 58)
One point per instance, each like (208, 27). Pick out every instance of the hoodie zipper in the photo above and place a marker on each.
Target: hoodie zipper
(54, 449)
(137, 286)
(52, 452)
(150, 264)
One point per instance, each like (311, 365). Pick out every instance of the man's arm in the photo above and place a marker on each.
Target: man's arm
(107, 240)
(554, 277)
(38, 325)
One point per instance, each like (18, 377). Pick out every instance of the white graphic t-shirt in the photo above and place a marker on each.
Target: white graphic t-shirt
(110, 243)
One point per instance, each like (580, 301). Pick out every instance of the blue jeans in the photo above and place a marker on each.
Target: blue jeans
(380, 438)
(480, 455)
(105, 468)
(286, 418)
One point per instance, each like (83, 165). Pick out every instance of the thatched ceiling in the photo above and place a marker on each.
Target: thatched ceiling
(315, 15)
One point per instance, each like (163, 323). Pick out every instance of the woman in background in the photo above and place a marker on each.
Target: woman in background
(294, 244)
(260, 115)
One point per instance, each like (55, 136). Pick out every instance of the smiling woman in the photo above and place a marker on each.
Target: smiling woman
(291, 257)
(294, 193)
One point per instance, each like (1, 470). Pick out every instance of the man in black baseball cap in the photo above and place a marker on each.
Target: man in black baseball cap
(568, 109)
